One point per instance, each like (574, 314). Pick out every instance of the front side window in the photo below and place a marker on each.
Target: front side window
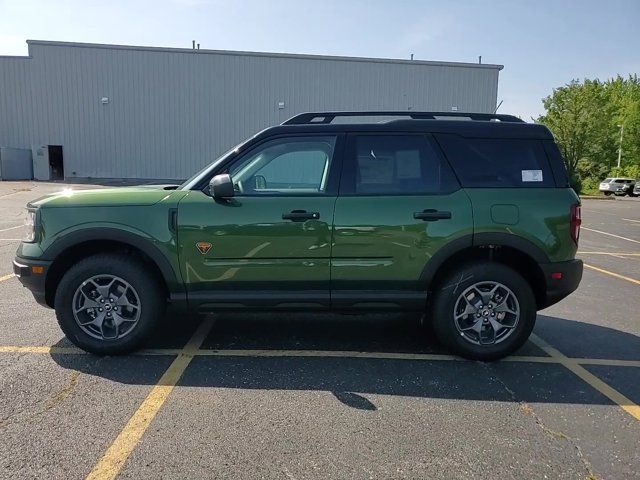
(395, 164)
(285, 166)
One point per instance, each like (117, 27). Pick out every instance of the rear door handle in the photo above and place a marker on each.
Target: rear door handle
(431, 215)
(300, 215)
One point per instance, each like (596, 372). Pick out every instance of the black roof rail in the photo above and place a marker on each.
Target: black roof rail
(314, 118)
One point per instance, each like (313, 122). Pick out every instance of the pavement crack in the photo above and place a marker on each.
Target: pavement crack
(529, 411)
(59, 397)
(50, 404)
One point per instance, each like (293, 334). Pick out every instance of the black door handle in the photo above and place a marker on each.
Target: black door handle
(431, 215)
(300, 215)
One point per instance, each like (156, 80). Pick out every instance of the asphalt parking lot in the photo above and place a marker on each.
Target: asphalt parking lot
(298, 396)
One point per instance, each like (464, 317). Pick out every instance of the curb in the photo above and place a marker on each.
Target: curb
(594, 197)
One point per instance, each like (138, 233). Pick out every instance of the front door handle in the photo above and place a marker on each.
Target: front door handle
(300, 215)
(431, 215)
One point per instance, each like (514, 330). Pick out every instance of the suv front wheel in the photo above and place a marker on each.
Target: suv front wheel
(483, 311)
(108, 304)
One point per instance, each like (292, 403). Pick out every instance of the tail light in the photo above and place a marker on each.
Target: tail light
(576, 220)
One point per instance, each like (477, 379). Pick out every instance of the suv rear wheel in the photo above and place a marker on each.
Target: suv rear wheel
(483, 311)
(108, 304)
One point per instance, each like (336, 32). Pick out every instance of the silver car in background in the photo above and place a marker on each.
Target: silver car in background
(618, 186)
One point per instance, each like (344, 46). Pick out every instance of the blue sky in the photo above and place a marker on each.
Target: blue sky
(542, 44)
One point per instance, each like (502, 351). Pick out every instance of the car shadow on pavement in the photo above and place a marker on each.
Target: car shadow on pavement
(356, 381)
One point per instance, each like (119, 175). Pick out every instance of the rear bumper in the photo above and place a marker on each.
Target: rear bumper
(562, 278)
(33, 278)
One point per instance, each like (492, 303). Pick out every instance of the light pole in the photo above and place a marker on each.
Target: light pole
(620, 147)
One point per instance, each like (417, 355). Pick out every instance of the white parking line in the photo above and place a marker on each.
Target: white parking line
(11, 228)
(610, 234)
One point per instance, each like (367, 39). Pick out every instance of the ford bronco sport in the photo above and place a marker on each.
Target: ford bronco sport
(466, 217)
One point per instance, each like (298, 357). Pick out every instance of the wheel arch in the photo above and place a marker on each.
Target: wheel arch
(515, 252)
(80, 244)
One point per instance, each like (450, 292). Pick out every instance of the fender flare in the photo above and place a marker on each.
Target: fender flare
(477, 240)
(105, 233)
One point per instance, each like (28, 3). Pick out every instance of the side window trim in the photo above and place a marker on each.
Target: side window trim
(347, 179)
(335, 165)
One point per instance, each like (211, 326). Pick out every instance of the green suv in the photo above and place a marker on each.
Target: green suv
(466, 217)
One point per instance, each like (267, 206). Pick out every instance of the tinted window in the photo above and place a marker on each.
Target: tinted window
(496, 162)
(297, 165)
(395, 164)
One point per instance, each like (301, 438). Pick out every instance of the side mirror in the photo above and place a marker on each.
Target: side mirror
(221, 186)
(260, 182)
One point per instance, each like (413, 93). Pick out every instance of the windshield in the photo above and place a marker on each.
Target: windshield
(193, 180)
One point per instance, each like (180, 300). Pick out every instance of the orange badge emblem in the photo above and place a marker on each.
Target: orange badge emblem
(203, 247)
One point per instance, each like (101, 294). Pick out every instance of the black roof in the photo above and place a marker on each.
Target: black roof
(473, 125)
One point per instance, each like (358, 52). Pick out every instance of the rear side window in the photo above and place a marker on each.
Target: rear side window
(395, 164)
(498, 162)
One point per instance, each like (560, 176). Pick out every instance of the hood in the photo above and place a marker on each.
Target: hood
(105, 197)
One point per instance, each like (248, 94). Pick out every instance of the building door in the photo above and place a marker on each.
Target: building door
(56, 163)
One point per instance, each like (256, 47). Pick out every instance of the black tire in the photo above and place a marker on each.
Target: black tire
(447, 292)
(133, 271)
(606, 194)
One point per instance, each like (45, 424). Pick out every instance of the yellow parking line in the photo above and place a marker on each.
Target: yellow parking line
(614, 395)
(113, 460)
(613, 274)
(319, 354)
(42, 350)
(328, 353)
(624, 254)
(605, 362)
(7, 277)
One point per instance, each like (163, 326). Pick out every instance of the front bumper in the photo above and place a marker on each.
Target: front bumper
(562, 278)
(33, 274)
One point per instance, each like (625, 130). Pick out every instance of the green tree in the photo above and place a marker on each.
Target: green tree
(585, 117)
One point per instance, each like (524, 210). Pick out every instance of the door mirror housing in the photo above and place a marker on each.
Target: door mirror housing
(260, 183)
(221, 186)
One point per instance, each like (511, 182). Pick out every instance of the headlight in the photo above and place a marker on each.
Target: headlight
(30, 222)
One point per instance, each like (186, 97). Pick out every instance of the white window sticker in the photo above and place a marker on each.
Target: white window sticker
(531, 175)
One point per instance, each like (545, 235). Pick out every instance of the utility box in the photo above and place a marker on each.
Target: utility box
(41, 167)
(15, 164)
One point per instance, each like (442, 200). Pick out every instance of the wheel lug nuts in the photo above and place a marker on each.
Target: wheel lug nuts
(102, 300)
(493, 314)
(99, 309)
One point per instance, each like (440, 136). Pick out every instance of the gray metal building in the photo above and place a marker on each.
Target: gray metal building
(162, 113)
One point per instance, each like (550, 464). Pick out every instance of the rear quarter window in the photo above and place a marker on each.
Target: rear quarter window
(498, 162)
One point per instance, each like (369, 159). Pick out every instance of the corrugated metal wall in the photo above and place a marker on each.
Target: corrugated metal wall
(171, 111)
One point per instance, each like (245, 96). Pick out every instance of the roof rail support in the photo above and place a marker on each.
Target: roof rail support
(311, 118)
